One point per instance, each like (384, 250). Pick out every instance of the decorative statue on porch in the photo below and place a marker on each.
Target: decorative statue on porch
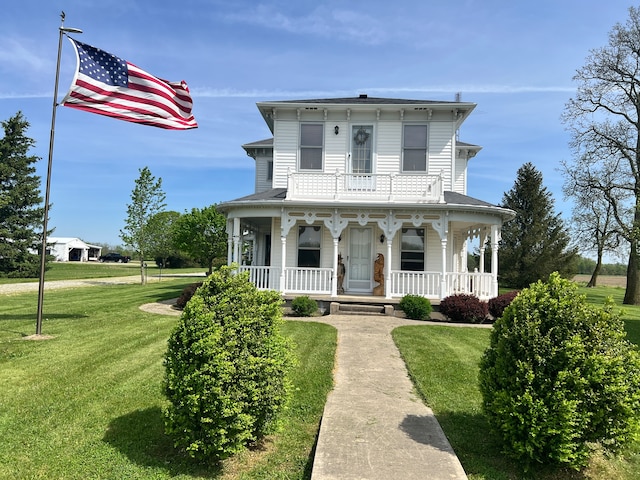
(341, 271)
(378, 275)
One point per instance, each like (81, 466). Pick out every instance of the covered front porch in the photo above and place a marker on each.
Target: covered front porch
(376, 252)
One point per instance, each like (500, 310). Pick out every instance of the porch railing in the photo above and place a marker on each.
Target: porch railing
(263, 277)
(478, 284)
(428, 284)
(365, 187)
(307, 280)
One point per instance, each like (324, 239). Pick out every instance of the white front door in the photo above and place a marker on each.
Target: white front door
(360, 264)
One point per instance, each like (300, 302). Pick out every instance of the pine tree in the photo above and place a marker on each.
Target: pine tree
(535, 243)
(21, 206)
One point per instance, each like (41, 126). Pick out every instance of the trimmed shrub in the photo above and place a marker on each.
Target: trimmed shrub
(559, 377)
(304, 306)
(226, 368)
(187, 293)
(415, 307)
(499, 303)
(464, 308)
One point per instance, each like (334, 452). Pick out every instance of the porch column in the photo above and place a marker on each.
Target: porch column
(443, 282)
(495, 239)
(283, 240)
(229, 241)
(387, 269)
(334, 276)
(483, 242)
(236, 240)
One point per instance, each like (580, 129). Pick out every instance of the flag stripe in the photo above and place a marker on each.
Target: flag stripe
(107, 85)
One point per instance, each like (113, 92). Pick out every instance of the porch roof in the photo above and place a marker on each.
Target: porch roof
(453, 200)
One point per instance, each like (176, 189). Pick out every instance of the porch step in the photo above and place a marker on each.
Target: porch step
(337, 308)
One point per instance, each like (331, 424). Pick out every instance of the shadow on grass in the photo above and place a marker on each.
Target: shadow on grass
(32, 316)
(140, 437)
(480, 451)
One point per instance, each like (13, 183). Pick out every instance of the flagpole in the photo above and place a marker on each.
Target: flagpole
(43, 250)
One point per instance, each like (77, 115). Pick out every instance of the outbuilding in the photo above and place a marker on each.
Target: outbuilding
(69, 249)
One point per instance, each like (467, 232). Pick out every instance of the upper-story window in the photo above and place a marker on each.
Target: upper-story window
(270, 170)
(311, 142)
(414, 148)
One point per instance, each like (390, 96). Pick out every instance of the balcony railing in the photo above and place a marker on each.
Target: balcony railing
(365, 187)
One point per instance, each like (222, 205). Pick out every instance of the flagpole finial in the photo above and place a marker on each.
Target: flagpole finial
(62, 16)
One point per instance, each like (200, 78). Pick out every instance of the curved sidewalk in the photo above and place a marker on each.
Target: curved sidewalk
(374, 425)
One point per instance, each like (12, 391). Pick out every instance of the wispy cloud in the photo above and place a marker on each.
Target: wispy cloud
(204, 92)
(16, 54)
(323, 22)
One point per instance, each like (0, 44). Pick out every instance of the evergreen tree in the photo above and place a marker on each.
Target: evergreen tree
(21, 208)
(535, 243)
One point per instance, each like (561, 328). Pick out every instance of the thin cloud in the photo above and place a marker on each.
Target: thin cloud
(14, 54)
(321, 22)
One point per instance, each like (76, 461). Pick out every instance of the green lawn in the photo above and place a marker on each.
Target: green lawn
(76, 270)
(87, 403)
(444, 364)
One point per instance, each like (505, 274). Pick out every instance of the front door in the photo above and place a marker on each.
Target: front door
(360, 264)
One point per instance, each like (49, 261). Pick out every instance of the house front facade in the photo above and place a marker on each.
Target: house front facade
(364, 196)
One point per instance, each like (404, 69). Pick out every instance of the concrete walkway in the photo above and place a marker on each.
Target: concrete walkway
(374, 425)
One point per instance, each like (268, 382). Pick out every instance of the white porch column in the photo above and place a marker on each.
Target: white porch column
(495, 242)
(387, 269)
(334, 276)
(283, 240)
(236, 240)
(483, 242)
(229, 241)
(443, 282)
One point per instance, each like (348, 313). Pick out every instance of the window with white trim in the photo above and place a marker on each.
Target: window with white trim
(309, 246)
(412, 250)
(311, 143)
(414, 148)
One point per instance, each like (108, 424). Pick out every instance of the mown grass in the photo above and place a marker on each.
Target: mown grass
(444, 365)
(82, 270)
(88, 402)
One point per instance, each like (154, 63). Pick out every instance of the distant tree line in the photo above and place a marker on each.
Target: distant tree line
(586, 266)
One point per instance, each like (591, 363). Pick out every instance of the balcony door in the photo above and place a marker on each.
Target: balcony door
(360, 264)
(361, 162)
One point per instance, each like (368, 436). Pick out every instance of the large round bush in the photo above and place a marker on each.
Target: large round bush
(559, 376)
(227, 367)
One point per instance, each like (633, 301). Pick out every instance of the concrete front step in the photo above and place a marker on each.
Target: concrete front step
(337, 308)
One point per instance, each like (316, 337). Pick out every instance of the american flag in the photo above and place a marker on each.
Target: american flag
(108, 85)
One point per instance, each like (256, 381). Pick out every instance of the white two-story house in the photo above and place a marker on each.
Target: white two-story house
(364, 196)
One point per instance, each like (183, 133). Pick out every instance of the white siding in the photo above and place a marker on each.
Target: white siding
(335, 147)
(460, 185)
(440, 151)
(433, 249)
(262, 170)
(285, 151)
(389, 146)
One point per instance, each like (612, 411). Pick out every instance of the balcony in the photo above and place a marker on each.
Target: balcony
(412, 188)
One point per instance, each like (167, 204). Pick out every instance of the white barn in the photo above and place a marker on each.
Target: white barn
(69, 249)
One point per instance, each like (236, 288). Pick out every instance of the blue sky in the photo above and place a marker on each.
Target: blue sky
(514, 59)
